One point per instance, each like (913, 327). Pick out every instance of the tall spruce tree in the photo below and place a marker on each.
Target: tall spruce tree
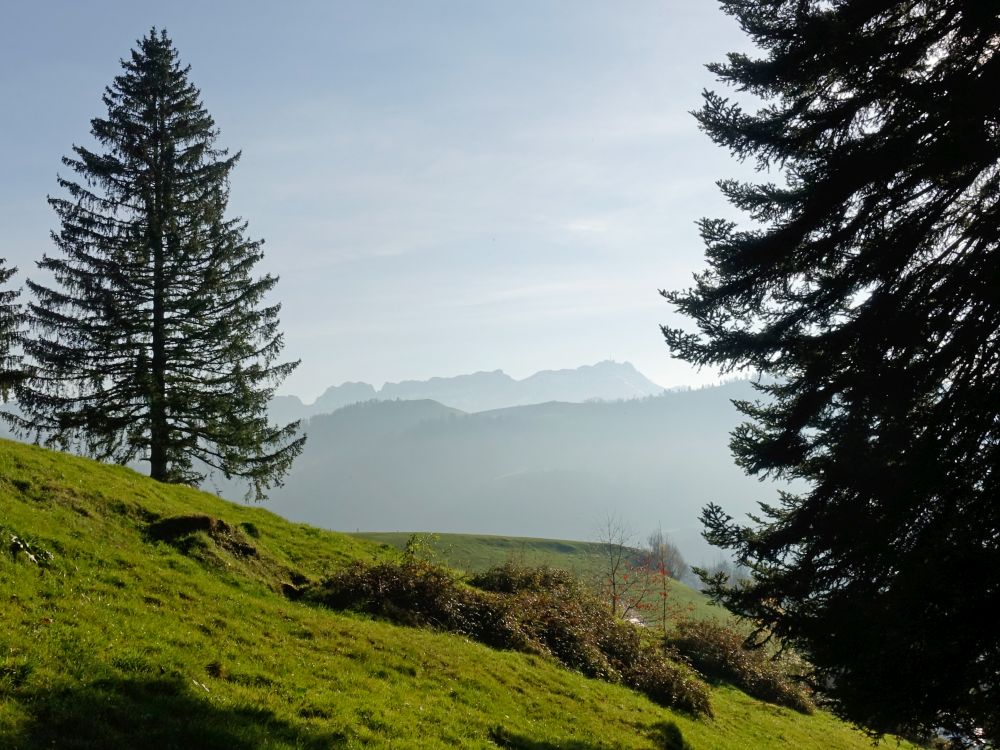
(11, 322)
(156, 341)
(867, 295)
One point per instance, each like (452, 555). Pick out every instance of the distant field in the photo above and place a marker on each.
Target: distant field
(477, 552)
(474, 553)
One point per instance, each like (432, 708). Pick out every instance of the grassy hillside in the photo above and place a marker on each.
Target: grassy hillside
(122, 628)
(474, 553)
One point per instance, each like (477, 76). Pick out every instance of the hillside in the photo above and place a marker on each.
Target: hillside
(116, 631)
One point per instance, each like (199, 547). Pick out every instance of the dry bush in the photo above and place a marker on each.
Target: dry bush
(718, 652)
(535, 610)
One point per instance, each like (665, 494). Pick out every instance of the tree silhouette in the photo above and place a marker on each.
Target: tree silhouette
(866, 294)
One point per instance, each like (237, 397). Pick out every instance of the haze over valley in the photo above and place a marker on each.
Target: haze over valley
(596, 440)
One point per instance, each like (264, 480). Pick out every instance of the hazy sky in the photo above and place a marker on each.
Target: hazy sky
(443, 187)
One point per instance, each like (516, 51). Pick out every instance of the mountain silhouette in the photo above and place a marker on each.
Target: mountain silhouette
(482, 391)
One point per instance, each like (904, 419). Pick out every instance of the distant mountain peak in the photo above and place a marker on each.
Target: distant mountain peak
(604, 366)
(486, 390)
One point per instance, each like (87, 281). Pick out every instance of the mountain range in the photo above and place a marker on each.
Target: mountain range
(554, 469)
(482, 391)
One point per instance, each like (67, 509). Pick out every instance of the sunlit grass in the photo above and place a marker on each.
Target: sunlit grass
(122, 641)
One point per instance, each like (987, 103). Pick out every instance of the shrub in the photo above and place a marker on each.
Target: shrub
(669, 684)
(511, 578)
(535, 610)
(666, 682)
(417, 592)
(567, 627)
(719, 652)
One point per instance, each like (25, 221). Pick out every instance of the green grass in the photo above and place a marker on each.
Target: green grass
(474, 553)
(124, 641)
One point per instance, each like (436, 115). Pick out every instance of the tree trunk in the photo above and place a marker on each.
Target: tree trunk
(159, 432)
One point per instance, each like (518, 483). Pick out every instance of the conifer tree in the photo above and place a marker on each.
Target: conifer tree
(866, 292)
(156, 341)
(11, 322)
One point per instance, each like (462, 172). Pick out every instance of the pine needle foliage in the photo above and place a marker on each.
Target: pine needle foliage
(866, 292)
(157, 341)
(11, 323)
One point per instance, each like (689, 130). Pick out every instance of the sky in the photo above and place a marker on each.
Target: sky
(443, 186)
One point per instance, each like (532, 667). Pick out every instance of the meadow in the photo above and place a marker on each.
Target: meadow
(139, 614)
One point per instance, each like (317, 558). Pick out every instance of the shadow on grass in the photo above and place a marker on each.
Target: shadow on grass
(153, 713)
(667, 736)
(509, 741)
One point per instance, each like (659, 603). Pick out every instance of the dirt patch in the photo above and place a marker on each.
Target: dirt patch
(176, 529)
